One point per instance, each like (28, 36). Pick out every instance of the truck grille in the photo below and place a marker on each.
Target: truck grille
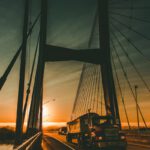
(111, 134)
(111, 138)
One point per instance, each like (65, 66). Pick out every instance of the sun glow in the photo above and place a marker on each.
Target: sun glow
(45, 112)
(56, 124)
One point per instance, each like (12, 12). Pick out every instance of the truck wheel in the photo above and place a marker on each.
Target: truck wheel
(123, 148)
(81, 142)
(69, 138)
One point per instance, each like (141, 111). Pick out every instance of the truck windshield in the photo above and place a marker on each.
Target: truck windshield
(102, 121)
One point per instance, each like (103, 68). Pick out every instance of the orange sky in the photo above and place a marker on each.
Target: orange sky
(61, 78)
(61, 87)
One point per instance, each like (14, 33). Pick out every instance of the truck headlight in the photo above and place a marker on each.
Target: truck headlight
(100, 137)
(123, 137)
(93, 134)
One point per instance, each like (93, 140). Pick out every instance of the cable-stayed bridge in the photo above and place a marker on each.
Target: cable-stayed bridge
(113, 44)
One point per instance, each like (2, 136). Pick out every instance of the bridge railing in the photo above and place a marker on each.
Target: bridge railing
(30, 143)
(138, 137)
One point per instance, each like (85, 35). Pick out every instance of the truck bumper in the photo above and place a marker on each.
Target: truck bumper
(115, 144)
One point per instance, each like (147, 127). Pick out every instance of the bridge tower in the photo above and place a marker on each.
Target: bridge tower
(100, 56)
(19, 118)
(35, 115)
(106, 67)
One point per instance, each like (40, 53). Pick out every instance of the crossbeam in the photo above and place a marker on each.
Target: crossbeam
(55, 53)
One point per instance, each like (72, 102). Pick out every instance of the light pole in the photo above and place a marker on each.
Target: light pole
(48, 101)
(137, 107)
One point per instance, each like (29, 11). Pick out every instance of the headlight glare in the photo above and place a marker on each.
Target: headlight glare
(123, 137)
(93, 134)
(100, 137)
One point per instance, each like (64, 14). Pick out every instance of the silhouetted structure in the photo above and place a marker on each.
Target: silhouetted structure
(101, 57)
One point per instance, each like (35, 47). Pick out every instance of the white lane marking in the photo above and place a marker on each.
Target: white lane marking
(140, 145)
(63, 143)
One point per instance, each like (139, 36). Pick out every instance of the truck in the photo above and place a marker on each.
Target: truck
(62, 131)
(97, 132)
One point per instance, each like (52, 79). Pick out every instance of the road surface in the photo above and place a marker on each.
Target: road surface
(53, 141)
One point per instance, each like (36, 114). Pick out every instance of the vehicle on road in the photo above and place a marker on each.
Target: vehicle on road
(92, 130)
(62, 131)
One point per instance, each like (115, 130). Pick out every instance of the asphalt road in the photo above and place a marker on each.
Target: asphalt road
(53, 141)
(50, 143)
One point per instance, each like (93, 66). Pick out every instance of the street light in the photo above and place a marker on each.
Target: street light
(48, 101)
(137, 109)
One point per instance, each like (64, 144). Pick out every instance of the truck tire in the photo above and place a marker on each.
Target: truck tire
(81, 141)
(123, 148)
(69, 138)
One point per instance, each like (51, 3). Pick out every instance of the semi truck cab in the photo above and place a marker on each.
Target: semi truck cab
(96, 131)
(104, 134)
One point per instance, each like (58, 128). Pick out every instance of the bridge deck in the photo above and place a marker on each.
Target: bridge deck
(53, 141)
(56, 142)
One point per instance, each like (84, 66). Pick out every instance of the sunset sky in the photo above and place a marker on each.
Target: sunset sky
(69, 25)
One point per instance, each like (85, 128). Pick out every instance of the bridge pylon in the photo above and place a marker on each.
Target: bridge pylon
(110, 97)
(100, 56)
(35, 114)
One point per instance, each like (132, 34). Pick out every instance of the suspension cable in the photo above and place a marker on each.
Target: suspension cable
(10, 66)
(122, 98)
(131, 29)
(29, 47)
(88, 85)
(89, 91)
(78, 90)
(131, 62)
(82, 92)
(142, 8)
(126, 77)
(84, 96)
(93, 88)
(112, 3)
(135, 18)
(96, 73)
(93, 27)
(84, 89)
(135, 47)
(101, 98)
(96, 88)
(30, 80)
(98, 81)
(88, 88)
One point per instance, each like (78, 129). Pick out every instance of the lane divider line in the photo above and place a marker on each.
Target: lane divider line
(63, 143)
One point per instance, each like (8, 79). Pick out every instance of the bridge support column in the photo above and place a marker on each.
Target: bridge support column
(19, 124)
(106, 68)
(35, 115)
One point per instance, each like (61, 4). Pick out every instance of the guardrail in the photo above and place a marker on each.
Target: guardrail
(31, 143)
(138, 137)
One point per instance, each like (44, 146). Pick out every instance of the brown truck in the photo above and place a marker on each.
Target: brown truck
(92, 130)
